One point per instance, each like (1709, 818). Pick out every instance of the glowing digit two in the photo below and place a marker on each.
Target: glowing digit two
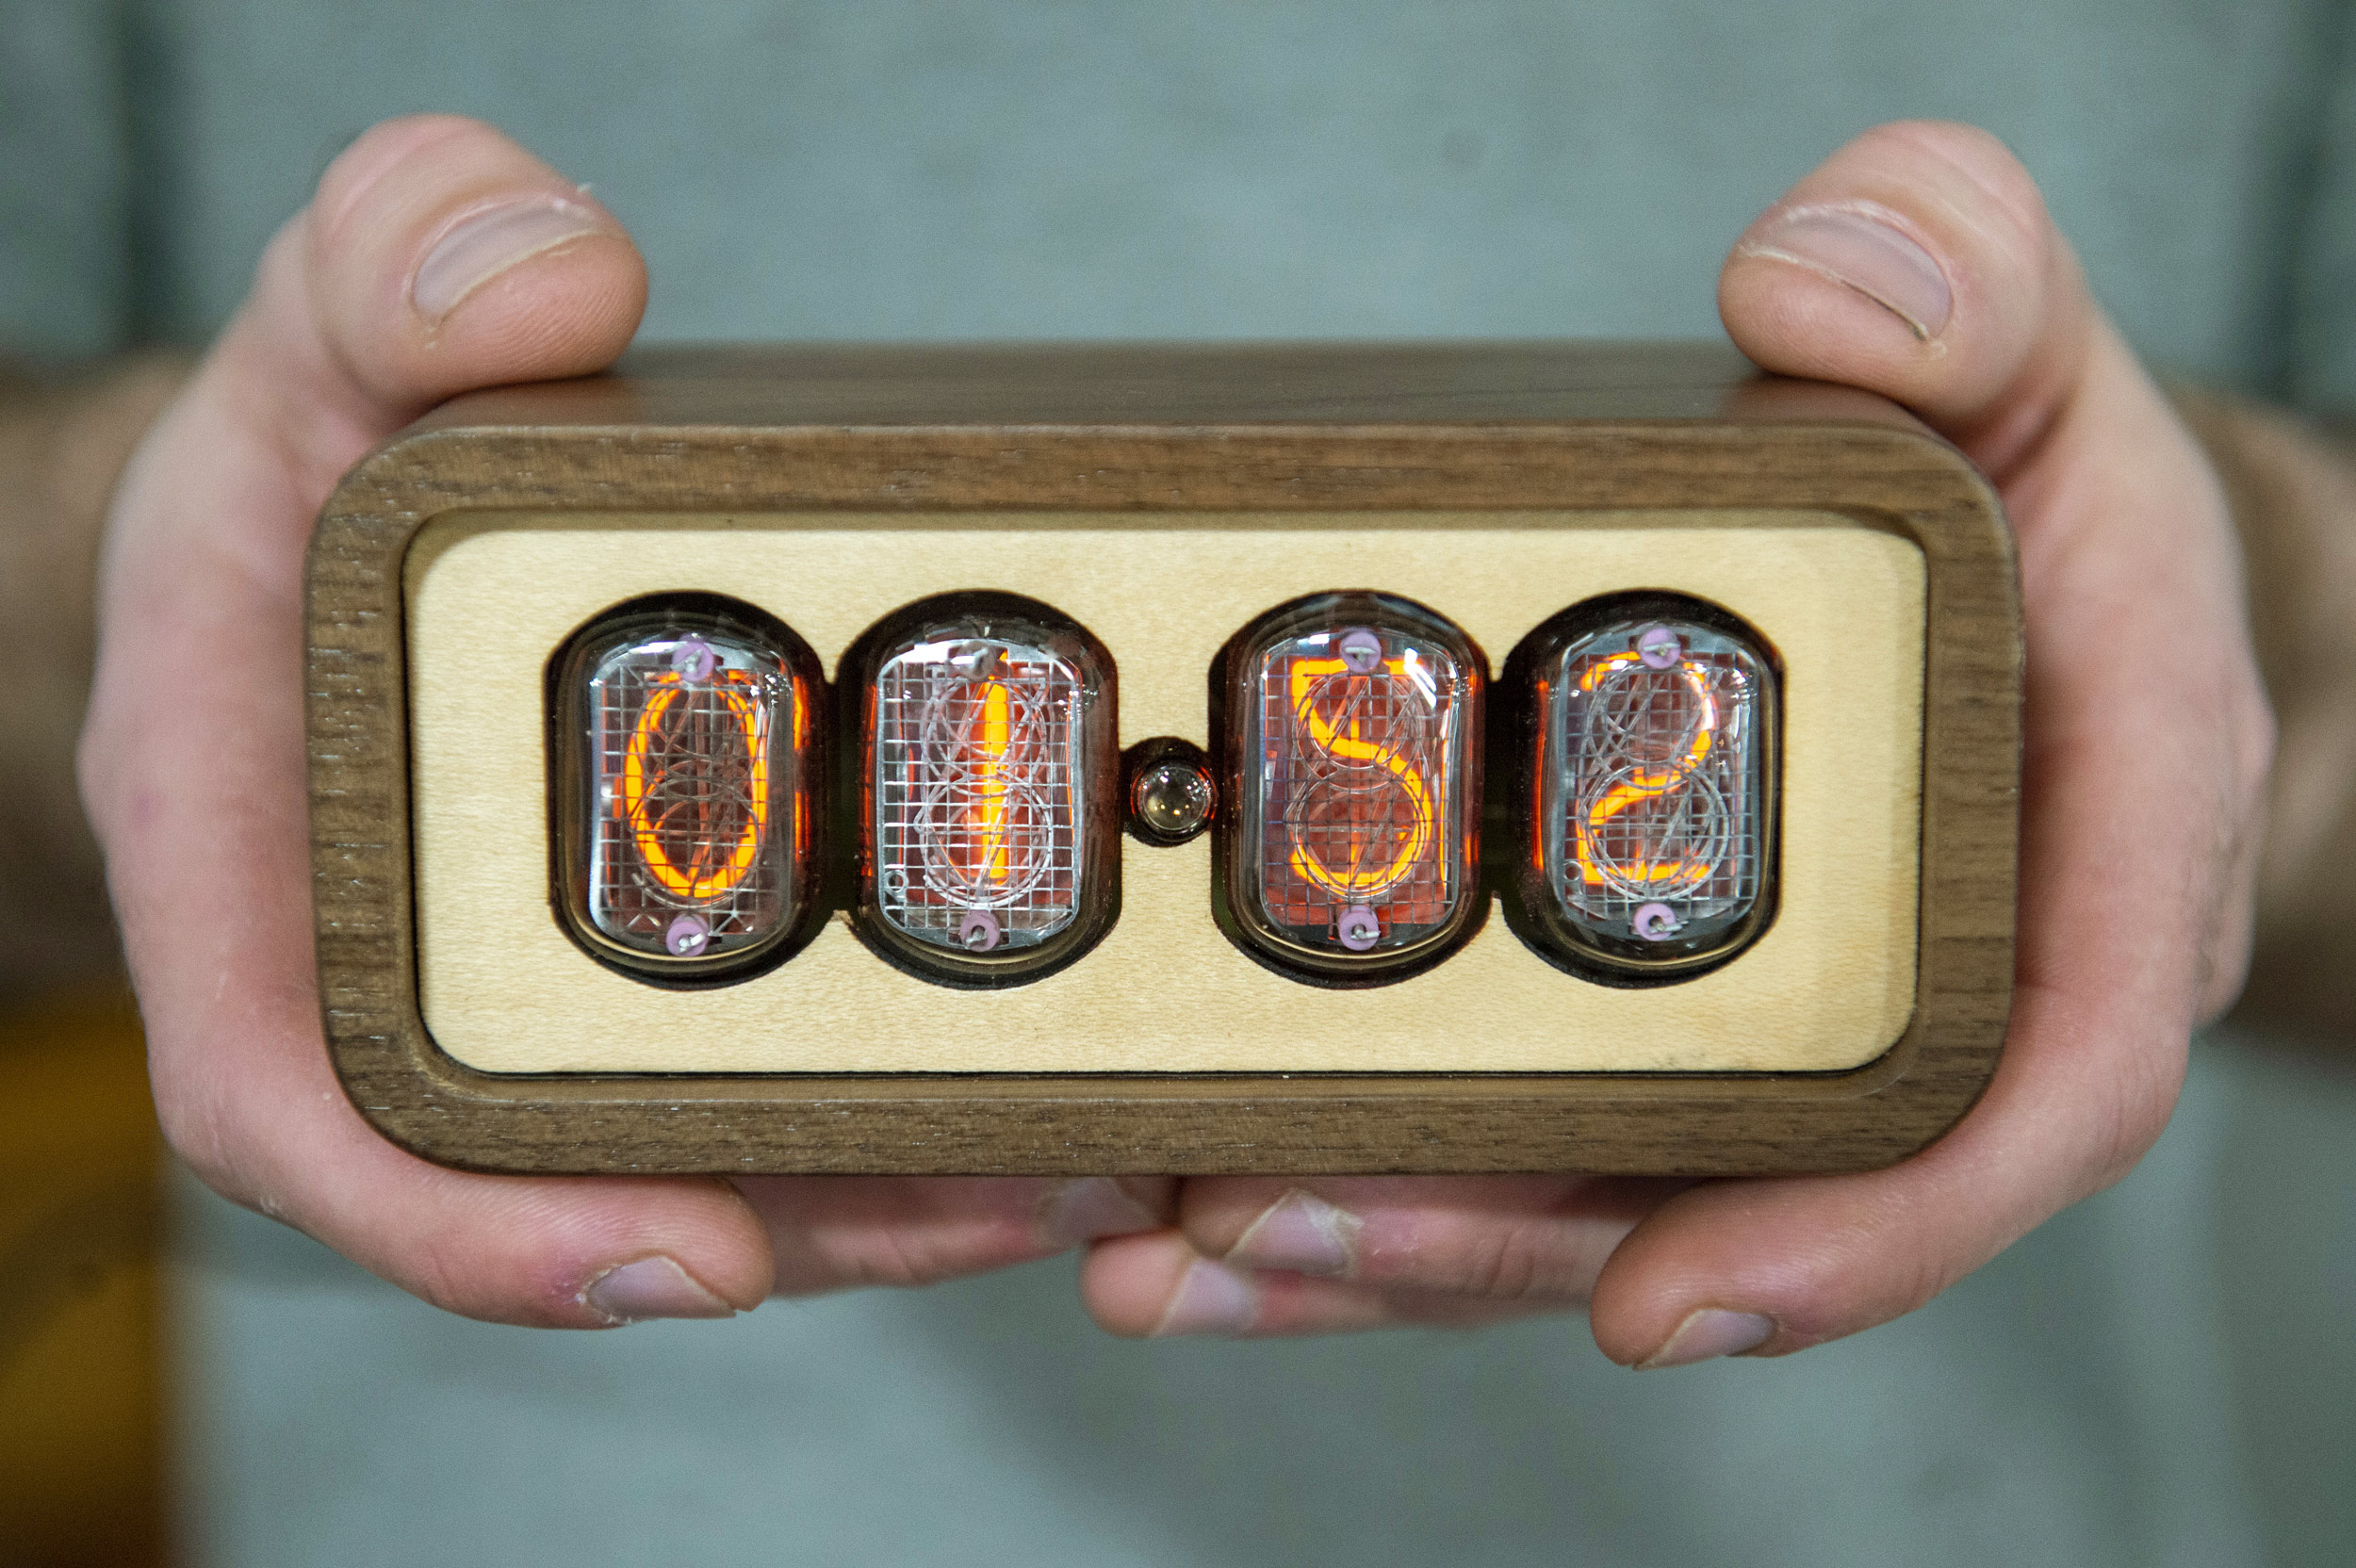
(1644, 784)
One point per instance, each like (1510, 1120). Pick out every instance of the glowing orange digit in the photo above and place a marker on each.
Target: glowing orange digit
(1647, 784)
(990, 815)
(644, 770)
(1410, 842)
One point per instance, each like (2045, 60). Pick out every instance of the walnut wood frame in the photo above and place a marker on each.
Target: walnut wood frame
(1443, 427)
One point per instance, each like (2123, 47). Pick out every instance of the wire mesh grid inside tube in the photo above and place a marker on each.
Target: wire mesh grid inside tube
(687, 739)
(1651, 727)
(990, 824)
(1354, 753)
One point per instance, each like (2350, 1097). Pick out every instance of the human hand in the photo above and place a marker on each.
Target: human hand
(1919, 262)
(436, 257)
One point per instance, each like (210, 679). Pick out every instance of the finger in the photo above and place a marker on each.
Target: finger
(1273, 1255)
(192, 761)
(1919, 263)
(831, 1233)
(1157, 1285)
(1418, 1246)
(436, 256)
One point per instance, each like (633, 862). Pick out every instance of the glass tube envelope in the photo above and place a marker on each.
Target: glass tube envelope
(1653, 848)
(1355, 745)
(686, 774)
(989, 818)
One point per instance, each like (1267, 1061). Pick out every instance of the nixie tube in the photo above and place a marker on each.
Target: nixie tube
(990, 773)
(1351, 732)
(686, 746)
(1649, 721)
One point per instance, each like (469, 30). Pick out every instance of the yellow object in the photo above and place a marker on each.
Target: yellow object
(1645, 785)
(699, 880)
(992, 812)
(82, 1337)
(1327, 736)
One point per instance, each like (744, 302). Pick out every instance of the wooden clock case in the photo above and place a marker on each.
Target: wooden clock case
(1168, 441)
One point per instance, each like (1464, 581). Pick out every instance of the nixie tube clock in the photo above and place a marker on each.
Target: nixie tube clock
(1105, 759)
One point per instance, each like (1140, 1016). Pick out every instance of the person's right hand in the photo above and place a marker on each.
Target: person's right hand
(436, 256)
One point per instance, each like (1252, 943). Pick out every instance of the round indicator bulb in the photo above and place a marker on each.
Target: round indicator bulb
(1171, 799)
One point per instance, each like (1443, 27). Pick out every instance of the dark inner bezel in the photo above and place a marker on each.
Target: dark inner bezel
(565, 701)
(982, 613)
(1517, 735)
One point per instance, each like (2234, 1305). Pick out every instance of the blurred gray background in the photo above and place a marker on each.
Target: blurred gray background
(2165, 1374)
(1062, 167)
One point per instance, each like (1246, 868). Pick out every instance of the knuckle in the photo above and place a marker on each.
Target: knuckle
(889, 1259)
(1988, 168)
(384, 164)
(1977, 153)
(384, 144)
(890, 1256)
(1523, 1259)
(1919, 1285)
(433, 1277)
(2139, 1112)
(1957, 140)
(195, 1130)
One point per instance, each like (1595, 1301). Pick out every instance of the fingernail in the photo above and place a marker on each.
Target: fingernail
(1211, 1298)
(484, 246)
(652, 1288)
(1301, 1232)
(1708, 1334)
(1858, 247)
(1093, 1207)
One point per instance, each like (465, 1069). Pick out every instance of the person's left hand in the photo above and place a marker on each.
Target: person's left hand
(1919, 262)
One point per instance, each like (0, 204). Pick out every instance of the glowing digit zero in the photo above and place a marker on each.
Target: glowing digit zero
(685, 773)
(669, 797)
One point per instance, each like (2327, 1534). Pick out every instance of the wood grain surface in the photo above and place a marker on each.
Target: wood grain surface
(1456, 429)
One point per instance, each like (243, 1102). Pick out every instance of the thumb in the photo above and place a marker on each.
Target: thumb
(406, 282)
(1919, 262)
(437, 255)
